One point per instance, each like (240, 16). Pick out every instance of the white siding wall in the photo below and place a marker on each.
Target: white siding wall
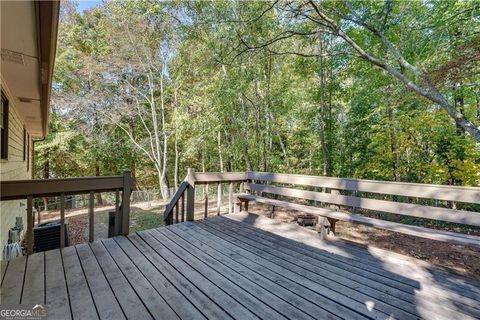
(15, 168)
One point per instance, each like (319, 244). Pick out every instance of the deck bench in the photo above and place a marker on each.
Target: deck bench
(328, 216)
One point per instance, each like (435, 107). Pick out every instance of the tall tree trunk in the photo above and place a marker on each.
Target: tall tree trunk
(219, 146)
(322, 108)
(393, 143)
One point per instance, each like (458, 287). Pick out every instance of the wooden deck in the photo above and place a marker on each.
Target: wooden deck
(235, 266)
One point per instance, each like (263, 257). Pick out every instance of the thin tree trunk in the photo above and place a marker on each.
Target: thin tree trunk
(98, 194)
(219, 146)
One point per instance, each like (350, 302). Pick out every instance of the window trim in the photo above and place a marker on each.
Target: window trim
(28, 152)
(24, 143)
(5, 131)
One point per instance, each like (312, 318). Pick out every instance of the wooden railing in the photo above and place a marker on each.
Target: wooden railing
(182, 205)
(331, 198)
(31, 189)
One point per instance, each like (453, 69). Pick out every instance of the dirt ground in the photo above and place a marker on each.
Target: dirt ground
(460, 259)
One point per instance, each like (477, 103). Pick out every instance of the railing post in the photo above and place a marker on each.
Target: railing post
(230, 198)
(62, 220)
(127, 182)
(219, 197)
(91, 220)
(118, 214)
(190, 194)
(29, 224)
(206, 201)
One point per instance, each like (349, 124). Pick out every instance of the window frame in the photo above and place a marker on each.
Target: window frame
(4, 129)
(28, 152)
(24, 143)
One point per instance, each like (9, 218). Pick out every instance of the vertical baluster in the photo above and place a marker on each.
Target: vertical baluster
(118, 217)
(176, 212)
(91, 204)
(191, 195)
(62, 220)
(127, 185)
(183, 207)
(219, 198)
(230, 198)
(30, 225)
(206, 200)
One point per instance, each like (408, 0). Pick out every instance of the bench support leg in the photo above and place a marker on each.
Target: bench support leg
(332, 225)
(323, 224)
(238, 207)
(246, 205)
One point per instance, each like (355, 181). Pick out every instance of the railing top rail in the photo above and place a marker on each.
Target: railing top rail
(418, 190)
(20, 189)
(212, 177)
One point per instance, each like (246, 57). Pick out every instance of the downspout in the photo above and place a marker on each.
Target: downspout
(33, 155)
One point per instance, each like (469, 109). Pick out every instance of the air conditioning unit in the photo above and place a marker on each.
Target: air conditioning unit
(47, 236)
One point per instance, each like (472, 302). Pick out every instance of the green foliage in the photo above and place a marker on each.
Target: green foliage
(281, 107)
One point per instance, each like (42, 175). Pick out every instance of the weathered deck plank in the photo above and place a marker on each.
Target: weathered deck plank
(285, 309)
(295, 266)
(233, 266)
(81, 301)
(157, 306)
(243, 297)
(386, 300)
(107, 305)
(56, 294)
(127, 297)
(174, 298)
(248, 271)
(34, 282)
(11, 291)
(294, 237)
(226, 302)
(196, 297)
(3, 269)
(271, 272)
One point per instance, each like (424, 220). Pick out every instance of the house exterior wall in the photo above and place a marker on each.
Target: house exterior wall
(14, 168)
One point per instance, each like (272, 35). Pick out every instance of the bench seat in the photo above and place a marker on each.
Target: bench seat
(439, 235)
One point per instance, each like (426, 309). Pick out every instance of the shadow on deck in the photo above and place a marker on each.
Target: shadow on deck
(234, 266)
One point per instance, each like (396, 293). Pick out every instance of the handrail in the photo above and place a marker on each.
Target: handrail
(188, 188)
(19, 189)
(31, 189)
(168, 213)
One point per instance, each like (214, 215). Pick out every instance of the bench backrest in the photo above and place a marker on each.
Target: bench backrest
(385, 192)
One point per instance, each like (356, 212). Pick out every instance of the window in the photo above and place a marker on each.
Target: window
(4, 124)
(28, 152)
(24, 144)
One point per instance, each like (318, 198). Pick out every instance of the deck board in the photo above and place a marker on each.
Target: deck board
(196, 297)
(149, 296)
(34, 281)
(102, 294)
(338, 288)
(128, 299)
(81, 301)
(11, 291)
(234, 267)
(56, 294)
(275, 302)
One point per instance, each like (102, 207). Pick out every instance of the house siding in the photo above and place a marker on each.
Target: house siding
(14, 168)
